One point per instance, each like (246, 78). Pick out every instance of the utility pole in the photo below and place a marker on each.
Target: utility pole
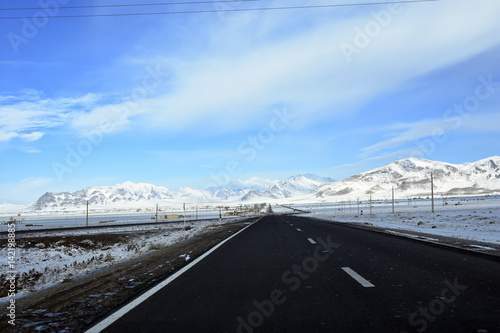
(196, 213)
(432, 191)
(87, 215)
(220, 217)
(184, 215)
(156, 213)
(370, 204)
(393, 199)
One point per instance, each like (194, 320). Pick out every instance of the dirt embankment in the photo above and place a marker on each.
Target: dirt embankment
(77, 304)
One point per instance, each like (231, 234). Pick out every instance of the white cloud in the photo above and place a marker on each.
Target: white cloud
(234, 82)
(6, 136)
(307, 70)
(403, 133)
(29, 114)
(31, 150)
(108, 118)
(368, 163)
(33, 136)
(436, 130)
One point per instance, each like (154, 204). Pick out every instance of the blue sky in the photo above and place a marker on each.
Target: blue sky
(197, 99)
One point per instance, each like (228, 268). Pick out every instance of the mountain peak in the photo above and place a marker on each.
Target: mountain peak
(312, 177)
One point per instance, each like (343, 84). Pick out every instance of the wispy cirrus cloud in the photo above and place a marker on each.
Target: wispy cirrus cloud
(307, 70)
(33, 136)
(407, 137)
(31, 150)
(401, 134)
(369, 162)
(29, 114)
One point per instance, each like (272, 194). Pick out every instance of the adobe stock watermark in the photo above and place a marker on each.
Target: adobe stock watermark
(92, 138)
(32, 25)
(363, 36)
(453, 118)
(11, 274)
(292, 280)
(424, 316)
(249, 148)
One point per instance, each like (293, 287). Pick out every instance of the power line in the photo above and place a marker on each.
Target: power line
(139, 4)
(229, 10)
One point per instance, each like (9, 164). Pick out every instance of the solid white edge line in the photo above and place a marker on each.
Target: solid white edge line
(103, 324)
(311, 240)
(365, 283)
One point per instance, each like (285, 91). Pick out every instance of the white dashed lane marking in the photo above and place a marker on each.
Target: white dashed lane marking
(311, 240)
(365, 283)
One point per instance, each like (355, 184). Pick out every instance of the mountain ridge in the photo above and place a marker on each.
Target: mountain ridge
(129, 192)
(409, 177)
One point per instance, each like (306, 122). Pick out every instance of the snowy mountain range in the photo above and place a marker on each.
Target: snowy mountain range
(412, 177)
(254, 189)
(409, 177)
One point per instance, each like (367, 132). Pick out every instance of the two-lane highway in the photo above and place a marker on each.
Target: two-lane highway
(292, 274)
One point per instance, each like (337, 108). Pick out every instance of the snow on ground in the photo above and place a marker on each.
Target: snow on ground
(40, 265)
(32, 221)
(469, 220)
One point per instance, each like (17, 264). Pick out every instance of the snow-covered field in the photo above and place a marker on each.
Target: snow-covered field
(474, 218)
(42, 262)
(42, 220)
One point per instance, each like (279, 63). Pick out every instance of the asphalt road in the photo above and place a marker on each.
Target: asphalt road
(292, 274)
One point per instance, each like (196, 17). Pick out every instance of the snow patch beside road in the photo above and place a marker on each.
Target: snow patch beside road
(44, 262)
(476, 224)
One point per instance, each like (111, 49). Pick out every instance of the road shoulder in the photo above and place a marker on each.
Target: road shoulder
(471, 246)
